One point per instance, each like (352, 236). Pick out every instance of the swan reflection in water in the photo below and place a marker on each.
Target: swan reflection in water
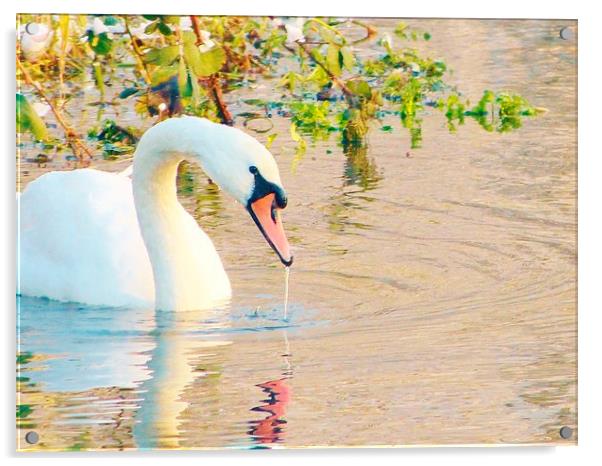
(156, 355)
(271, 429)
(158, 421)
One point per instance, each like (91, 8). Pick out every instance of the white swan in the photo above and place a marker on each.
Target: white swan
(100, 238)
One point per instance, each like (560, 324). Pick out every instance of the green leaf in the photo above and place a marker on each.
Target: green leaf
(164, 56)
(202, 64)
(170, 19)
(184, 82)
(110, 20)
(295, 136)
(317, 56)
(25, 356)
(28, 120)
(270, 140)
(290, 80)
(163, 73)
(348, 58)
(128, 92)
(332, 59)
(99, 77)
(196, 89)
(23, 411)
(255, 102)
(360, 88)
(400, 30)
(326, 31)
(318, 76)
(102, 44)
(152, 27)
(165, 29)
(213, 60)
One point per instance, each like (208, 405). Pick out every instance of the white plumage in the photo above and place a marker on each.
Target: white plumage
(107, 239)
(79, 240)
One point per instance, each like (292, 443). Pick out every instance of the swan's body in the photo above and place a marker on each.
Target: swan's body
(56, 258)
(104, 239)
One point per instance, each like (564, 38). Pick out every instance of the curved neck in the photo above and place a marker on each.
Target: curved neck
(187, 271)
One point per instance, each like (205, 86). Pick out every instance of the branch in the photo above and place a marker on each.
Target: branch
(216, 91)
(370, 31)
(335, 79)
(196, 27)
(213, 82)
(77, 146)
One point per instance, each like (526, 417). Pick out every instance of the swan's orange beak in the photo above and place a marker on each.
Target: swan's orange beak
(266, 214)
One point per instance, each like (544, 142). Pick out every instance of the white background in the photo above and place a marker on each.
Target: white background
(589, 450)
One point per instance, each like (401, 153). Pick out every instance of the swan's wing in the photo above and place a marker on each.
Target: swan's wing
(79, 240)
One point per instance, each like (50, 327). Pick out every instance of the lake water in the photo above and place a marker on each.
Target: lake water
(432, 299)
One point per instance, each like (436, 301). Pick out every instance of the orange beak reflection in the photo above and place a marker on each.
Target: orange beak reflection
(266, 214)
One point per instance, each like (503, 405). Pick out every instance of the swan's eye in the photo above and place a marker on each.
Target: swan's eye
(253, 169)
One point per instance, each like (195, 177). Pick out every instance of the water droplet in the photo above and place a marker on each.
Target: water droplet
(287, 271)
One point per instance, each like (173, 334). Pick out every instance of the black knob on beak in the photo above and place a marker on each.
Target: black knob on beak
(280, 195)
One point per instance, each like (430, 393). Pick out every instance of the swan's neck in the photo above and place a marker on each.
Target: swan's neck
(180, 253)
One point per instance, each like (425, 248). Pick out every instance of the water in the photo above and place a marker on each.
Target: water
(433, 298)
(287, 274)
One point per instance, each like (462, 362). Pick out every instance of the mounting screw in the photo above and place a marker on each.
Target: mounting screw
(32, 437)
(566, 33)
(566, 432)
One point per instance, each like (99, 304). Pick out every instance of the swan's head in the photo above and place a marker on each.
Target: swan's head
(246, 170)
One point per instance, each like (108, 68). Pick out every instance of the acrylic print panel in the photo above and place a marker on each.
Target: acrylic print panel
(421, 172)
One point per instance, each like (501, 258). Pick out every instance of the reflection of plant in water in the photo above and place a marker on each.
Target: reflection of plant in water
(115, 140)
(185, 65)
(360, 169)
(83, 441)
(499, 112)
(31, 397)
(24, 383)
(205, 196)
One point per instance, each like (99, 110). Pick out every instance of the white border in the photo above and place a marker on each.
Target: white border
(590, 231)
(383, 8)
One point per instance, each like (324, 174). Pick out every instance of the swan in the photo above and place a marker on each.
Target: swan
(101, 238)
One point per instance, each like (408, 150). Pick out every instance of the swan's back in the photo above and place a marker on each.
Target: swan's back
(80, 241)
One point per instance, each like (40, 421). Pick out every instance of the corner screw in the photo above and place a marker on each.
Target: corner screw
(566, 33)
(32, 437)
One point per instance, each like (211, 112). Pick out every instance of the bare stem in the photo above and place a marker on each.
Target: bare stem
(215, 88)
(370, 31)
(196, 27)
(137, 53)
(213, 82)
(64, 28)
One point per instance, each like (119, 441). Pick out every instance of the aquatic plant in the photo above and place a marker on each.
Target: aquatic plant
(190, 64)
